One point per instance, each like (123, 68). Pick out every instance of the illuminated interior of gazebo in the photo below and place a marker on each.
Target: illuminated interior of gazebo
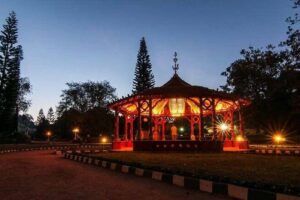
(213, 117)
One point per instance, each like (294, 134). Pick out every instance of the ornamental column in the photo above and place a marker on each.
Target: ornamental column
(214, 127)
(232, 125)
(139, 121)
(192, 136)
(116, 134)
(241, 119)
(201, 136)
(150, 119)
(131, 128)
(126, 128)
(163, 136)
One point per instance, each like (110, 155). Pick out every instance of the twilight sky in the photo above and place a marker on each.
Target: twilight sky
(80, 40)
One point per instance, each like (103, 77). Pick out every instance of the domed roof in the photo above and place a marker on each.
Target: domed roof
(177, 87)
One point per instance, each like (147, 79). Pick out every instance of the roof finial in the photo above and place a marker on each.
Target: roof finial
(175, 66)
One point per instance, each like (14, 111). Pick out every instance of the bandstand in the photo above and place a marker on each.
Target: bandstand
(215, 118)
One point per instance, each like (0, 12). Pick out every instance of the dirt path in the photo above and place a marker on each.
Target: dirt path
(42, 175)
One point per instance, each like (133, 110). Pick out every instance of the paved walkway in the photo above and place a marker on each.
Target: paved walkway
(42, 175)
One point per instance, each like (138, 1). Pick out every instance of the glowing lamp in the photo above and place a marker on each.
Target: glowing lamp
(48, 133)
(278, 138)
(239, 138)
(76, 130)
(223, 127)
(104, 140)
(181, 129)
(177, 106)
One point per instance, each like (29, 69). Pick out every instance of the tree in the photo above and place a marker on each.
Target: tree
(253, 76)
(22, 102)
(271, 79)
(50, 116)
(84, 105)
(11, 55)
(144, 78)
(42, 125)
(40, 117)
(86, 96)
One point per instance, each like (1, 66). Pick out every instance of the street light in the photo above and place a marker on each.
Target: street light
(181, 129)
(48, 135)
(223, 127)
(240, 138)
(278, 138)
(75, 131)
(103, 141)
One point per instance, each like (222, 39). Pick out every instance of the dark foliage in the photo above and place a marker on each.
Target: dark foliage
(13, 88)
(143, 76)
(42, 126)
(51, 116)
(10, 57)
(83, 105)
(270, 77)
(86, 96)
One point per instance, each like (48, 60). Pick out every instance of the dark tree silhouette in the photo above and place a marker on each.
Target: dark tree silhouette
(83, 105)
(50, 116)
(42, 126)
(86, 96)
(10, 57)
(271, 79)
(143, 76)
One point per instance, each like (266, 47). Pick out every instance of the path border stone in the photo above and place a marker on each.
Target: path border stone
(209, 186)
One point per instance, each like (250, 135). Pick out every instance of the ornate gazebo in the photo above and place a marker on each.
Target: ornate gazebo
(146, 115)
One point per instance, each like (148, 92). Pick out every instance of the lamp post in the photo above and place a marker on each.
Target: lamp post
(48, 135)
(278, 138)
(75, 131)
(103, 141)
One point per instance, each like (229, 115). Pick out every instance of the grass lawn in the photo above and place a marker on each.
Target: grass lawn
(279, 170)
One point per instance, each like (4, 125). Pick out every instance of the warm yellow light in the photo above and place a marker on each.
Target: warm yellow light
(181, 129)
(104, 140)
(278, 138)
(239, 138)
(177, 106)
(76, 130)
(223, 127)
(48, 133)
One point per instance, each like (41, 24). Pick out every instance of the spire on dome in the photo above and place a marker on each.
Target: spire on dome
(175, 66)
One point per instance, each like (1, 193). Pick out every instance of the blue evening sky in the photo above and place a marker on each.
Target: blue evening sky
(80, 40)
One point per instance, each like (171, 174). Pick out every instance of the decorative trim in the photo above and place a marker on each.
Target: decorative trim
(231, 190)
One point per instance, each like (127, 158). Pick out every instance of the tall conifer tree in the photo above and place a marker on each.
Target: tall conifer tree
(50, 116)
(144, 78)
(41, 117)
(11, 55)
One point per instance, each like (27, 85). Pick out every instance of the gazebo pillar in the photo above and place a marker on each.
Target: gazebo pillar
(241, 119)
(192, 136)
(150, 118)
(139, 121)
(131, 128)
(232, 125)
(163, 135)
(214, 127)
(116, 134)
(201, 120)
(126, 128)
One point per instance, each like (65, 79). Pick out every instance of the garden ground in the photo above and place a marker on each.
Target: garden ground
(279, 170)
(42, 175)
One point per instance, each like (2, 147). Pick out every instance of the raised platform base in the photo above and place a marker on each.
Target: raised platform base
(180, 145)
(237, 145)
(122, 145)
(210, 146)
